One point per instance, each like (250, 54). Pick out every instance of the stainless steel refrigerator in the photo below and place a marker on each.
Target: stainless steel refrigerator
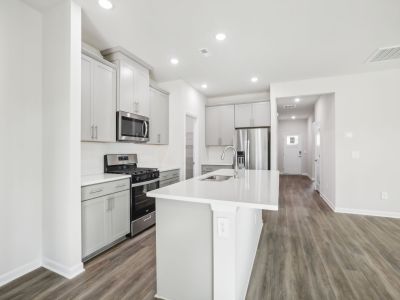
(254, 142)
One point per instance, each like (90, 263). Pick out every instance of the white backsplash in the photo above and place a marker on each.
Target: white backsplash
(93, 155)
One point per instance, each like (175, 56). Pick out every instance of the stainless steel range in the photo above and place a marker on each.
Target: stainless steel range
(143, 180)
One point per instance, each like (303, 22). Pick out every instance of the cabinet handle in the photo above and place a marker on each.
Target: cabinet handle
(92, 132)
(96, 191)
(95, 128)
(159, 138)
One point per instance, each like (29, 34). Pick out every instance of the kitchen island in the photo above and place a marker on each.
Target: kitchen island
(207, 233)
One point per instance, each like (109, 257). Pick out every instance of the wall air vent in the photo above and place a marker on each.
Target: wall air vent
(385, 54)
(289, 106)
(204, 52)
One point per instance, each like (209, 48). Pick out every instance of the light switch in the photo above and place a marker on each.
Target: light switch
(223, 227)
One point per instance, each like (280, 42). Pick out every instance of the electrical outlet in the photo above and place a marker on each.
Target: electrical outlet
(223, 227)
(355, 154)
(384, 196)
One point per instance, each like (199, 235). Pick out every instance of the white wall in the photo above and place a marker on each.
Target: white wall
(61, 139)
(293, 127)
(325, 117)
(366, 105)
(21, 139)
(310, 148)
(183, 100)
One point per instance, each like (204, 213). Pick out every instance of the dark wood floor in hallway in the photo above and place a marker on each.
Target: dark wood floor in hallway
(306, 252)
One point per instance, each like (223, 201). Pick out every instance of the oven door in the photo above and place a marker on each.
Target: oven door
(131, 127)
(141, 204)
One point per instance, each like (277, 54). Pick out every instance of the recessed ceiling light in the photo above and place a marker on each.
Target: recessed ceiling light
(220, 36)
(204, 85)
(254, 79)
(106, 4)
(174, 61)
(297, 100)
(293, 117)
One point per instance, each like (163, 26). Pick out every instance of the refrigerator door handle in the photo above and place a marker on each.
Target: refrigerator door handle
(247, 154)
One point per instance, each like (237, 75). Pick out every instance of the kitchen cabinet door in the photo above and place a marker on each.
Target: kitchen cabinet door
(212, 126)
(261, 114)
(104, 103)
(120, 214)
(159, 117)
(219, 125)
(226, 124)
(126, 93)
(141, 91)
(94, 225)
(86, 99)
(243, 115)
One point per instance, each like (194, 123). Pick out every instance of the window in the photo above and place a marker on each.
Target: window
(292, 140)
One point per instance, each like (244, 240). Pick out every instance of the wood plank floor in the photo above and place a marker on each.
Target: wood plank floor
(306, 252)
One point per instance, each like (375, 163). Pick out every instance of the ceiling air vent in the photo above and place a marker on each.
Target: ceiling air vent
(384, 54)
(289, 106)
(204, 52)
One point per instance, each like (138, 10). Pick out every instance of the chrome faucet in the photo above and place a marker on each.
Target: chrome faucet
(235, 165)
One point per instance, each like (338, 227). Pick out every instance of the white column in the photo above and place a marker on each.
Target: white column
(224, 244)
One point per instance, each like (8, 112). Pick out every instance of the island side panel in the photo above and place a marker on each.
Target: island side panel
(248, 233)
(184, 234)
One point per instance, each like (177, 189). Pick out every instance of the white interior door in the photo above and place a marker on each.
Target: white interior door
(317, 156)
(292, 154)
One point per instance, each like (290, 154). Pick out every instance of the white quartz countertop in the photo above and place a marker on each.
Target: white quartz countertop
(255, 189)
(162, 168)
(217, 163)
(101, 178)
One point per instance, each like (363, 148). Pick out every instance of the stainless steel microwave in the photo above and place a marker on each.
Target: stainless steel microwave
(132, 128)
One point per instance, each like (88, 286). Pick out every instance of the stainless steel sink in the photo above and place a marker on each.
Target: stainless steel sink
(217, 178)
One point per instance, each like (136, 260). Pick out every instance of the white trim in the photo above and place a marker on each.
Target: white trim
(307, 175)
(160, 298)
(67, 272)
(327, 201)
(375, 213)
(19, 271)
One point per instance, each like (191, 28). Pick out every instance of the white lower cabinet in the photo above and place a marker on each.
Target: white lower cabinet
(105, 219)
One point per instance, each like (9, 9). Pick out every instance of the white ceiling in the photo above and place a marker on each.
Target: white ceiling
(303, 109)
(274, 40)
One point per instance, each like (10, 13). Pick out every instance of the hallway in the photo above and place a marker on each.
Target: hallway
(308, 252)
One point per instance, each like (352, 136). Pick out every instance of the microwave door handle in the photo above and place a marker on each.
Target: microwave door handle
(146, 128)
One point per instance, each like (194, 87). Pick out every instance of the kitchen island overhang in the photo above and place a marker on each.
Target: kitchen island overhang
(208, 233)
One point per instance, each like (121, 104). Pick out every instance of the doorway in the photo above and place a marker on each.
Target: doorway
(292, 154)
(190, 123)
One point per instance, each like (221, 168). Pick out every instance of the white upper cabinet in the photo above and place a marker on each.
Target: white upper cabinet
(98, 94)
(159, 117)
(133, 80)
(252, 115)
(219, 125)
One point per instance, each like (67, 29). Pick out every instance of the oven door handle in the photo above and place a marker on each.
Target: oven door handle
(145, 182)
(146, 127)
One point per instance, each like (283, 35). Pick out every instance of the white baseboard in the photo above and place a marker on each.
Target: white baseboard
(327, 201)
(375, 213)
(20, 271)
(308, 175)
(67, 272)
(160, 298)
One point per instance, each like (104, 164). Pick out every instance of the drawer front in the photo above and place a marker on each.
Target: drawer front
(98, 190)
(169, 174)
(211, 168)
(169, 182)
